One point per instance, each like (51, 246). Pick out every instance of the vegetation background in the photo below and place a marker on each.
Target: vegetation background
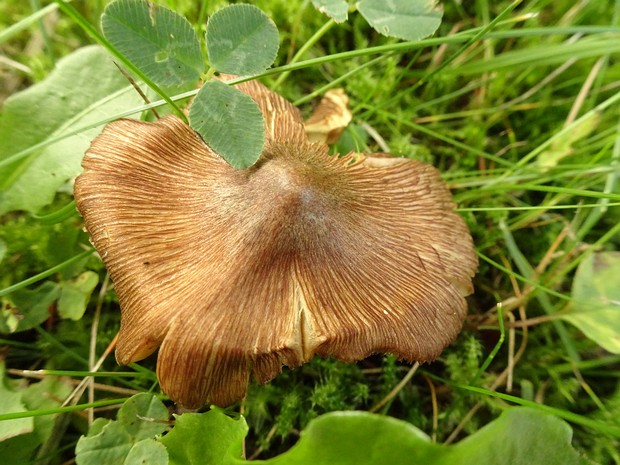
(520, 114)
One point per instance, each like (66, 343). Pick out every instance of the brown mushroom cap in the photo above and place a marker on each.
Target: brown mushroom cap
(232, 272)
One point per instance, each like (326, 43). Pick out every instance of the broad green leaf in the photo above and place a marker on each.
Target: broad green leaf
(28, 308)
(404, 19)
(2, 250)
(16, 436)
(48, 393)
(230, 122)
(143, 416)
(157, 40)
(349, 438)
(18, 450)
(241, 39)
(56, 106)
(338, 10)
(205, 439)
(97, 426)
(11, 401)
(596, 299)
(518, 436)
(110, 446)
(356, 438)
(147, 452)
(75, 294)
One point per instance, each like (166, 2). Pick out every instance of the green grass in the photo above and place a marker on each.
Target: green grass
(515, 102)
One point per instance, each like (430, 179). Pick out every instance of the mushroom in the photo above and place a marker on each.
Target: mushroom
(238, 272)
(330, 118)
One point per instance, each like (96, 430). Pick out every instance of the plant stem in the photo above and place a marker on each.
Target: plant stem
(303, 49)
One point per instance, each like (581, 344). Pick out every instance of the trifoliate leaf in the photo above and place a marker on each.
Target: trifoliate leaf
(242, 40)
(230, 122)
(157, 40)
